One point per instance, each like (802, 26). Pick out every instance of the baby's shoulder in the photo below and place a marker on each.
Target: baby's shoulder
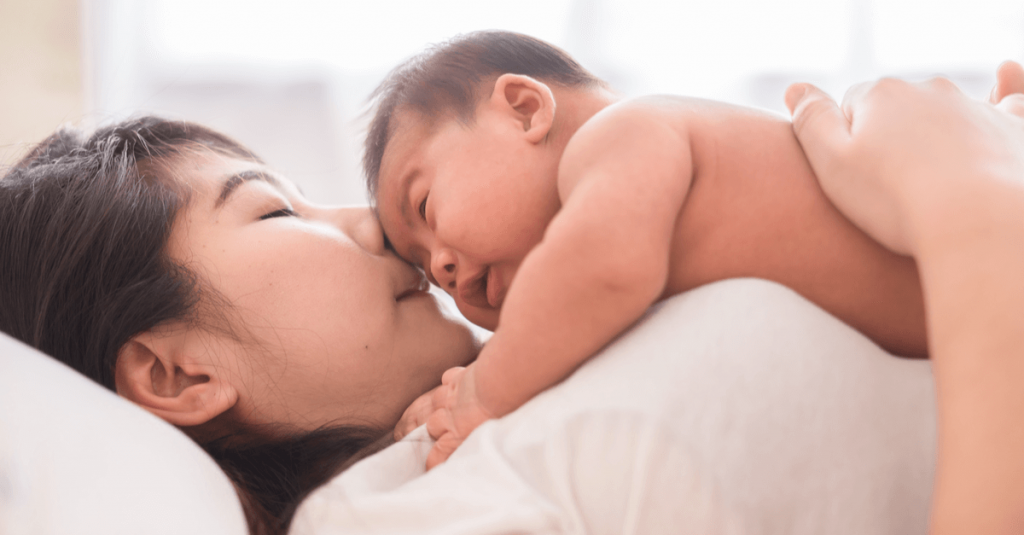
(634, 126)
(661, 119)
(689, 113)
(639, 112)
(647, 135)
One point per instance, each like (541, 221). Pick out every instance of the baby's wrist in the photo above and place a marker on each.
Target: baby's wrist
(487, 393)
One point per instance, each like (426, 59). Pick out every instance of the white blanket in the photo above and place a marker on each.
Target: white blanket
(735, 408)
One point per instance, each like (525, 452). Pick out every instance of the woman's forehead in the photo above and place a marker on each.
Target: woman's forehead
(218, 176)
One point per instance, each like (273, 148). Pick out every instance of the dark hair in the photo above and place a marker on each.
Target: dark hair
(272, 475)
(445, 81)
(84, 225)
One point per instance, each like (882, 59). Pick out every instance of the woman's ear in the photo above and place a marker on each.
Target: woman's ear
(160, 370)
(530, 101)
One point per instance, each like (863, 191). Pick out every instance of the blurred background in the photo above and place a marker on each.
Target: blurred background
(290, 78)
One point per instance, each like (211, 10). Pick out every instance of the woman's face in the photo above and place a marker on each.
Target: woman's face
(342, 331)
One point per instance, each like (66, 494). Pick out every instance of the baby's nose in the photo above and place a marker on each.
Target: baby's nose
(444, 267)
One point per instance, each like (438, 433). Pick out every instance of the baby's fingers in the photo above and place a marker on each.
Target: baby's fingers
(451, 376)
(416, 415)
(404, 427)
(443, 448)
(440, 423)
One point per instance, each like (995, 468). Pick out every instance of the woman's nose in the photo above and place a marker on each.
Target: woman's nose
(443, 266)
(362, 226)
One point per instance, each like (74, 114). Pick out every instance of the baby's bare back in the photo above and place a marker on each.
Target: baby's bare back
(755, 209)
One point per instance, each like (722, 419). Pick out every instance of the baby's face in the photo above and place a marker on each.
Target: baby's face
(466, 204)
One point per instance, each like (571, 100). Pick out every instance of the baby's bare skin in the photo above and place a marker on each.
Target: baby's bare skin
(755, 209)
(600, 209)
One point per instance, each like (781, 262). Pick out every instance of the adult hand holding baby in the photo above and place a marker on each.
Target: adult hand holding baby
(929, 172)
(895, 148)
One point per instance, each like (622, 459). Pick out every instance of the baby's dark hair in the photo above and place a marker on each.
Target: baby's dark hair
(446, 81)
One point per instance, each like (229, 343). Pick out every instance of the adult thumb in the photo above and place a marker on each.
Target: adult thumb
(1012, 104)
(821, 127)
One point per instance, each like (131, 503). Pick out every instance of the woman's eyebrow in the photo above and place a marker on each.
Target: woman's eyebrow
(232, 182)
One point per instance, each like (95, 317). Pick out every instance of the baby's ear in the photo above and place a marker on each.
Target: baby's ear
(529, 101)
(159, 370)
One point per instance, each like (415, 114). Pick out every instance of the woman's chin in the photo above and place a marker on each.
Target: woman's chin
(469, 343)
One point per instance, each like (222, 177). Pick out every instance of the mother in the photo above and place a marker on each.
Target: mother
(165, 261)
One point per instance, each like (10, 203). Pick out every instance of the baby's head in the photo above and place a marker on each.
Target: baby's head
(462, 158)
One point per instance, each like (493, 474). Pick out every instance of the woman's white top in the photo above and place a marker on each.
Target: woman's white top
(737, 408)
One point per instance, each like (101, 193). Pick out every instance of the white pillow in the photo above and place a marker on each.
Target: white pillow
(75, 458)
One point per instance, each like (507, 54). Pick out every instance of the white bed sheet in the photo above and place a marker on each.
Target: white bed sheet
(736, 408)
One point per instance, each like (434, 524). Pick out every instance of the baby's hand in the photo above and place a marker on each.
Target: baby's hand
(416, 415)
(457, 412)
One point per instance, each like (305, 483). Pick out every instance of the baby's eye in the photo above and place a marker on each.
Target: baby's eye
(423, 207)
(284, 212)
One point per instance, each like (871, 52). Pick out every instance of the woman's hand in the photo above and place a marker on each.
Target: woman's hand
(1009, 81)
(929, 172)
(457, 412)
(898, 155)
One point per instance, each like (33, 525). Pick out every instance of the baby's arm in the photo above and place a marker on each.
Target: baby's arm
(603, 260)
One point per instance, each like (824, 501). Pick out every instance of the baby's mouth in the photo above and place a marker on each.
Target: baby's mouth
(474, 291)
(495, 290)
(483, 291)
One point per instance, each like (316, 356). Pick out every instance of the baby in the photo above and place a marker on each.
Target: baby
(556, 213)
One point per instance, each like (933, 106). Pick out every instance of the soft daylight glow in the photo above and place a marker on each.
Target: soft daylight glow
(699, 48)
(346, 35)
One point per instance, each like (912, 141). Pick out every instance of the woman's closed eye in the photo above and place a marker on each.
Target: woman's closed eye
(284, 212)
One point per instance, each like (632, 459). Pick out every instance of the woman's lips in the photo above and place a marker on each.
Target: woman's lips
(418, 287)
(412, 293)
